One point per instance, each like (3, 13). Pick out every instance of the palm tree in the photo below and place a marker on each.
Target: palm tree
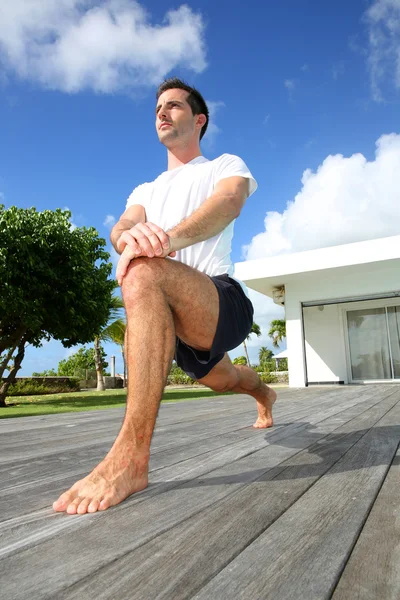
(277, 331)
(257, 331)
(264, 354)
(117, 335)
(114, 324)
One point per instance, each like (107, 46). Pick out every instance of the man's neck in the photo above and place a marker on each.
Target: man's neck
(177, 157)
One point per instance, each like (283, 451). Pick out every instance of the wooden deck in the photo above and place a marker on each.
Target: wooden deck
(304, 511)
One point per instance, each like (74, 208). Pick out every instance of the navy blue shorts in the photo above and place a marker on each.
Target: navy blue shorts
(234, 325)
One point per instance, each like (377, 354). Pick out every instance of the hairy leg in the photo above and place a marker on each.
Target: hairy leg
(163, 298)
(242, 380)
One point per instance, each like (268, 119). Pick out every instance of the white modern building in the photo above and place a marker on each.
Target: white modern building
(342, 307)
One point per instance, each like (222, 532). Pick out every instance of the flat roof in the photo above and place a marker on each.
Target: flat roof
(279, 270)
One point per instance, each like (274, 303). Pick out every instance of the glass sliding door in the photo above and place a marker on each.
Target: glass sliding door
(393, 313)
(369, 344)
(374, 342)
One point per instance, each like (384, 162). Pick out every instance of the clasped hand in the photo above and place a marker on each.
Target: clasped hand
(144, 239)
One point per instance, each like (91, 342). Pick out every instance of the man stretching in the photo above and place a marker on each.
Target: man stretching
(181, 301)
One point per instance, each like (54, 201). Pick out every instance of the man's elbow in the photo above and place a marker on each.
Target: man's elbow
(236, 206)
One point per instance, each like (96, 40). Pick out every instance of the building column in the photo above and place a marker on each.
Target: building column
(295, 342)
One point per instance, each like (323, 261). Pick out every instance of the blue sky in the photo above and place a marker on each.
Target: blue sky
(294, 87)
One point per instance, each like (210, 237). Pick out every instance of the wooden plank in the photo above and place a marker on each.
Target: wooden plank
(34, 566)
(304, 551)
(35, 494)
(18, 446)
(178, 562)
(39, 491)
(15, 472)
(373, 569)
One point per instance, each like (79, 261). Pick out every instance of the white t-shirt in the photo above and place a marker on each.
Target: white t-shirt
(176, 194)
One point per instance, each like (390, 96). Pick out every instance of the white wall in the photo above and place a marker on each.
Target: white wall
(294, 340)
(325, 349)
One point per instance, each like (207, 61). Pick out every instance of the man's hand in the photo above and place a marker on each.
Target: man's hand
(145, 239)
(130, 253)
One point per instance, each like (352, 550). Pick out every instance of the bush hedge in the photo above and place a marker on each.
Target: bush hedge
(268, 377)
(179, 377)
(32, 386)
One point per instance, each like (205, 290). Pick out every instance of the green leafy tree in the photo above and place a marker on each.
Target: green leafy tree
(240, 360)
(54, 282)
(81, 361)
(277, 332)
(46, 373)
(116, 335)
(257, 331)
(113, 332)
(264, 355)
(282, 364)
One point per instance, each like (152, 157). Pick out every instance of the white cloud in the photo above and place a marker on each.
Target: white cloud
(289, 84)
(109, 221)
(346, 200)
(212, 130)
(108, 46)
(73, 225)
(338, 69)
(266, 120)
(383, 58)
(305, 68)
(309, 143)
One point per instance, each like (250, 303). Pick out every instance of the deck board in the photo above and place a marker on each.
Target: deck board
(221, 494)
(373, 570)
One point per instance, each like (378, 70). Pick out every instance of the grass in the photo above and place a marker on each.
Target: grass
(24, 406)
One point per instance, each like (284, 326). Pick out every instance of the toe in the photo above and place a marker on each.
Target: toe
(94, 505)
(104, 504)
(72, 508)
(83, 506)
(63, 501)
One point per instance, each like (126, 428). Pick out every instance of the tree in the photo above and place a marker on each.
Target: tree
(81, 361)
(117, 335)
(46, 373)
(54, 282)
(113, 332)
(277, 331)
(264, 355)
(240, 360)
(257, 331)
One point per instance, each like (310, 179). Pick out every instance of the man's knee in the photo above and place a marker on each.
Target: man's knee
(142, 274)
(222, 383)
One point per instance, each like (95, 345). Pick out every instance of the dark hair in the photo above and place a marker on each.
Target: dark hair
(194, 99)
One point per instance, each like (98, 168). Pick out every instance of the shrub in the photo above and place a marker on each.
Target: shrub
(32, 387)
(269, 365)
(283, 364)
(240, 360)
(268, 378)
(178, 377)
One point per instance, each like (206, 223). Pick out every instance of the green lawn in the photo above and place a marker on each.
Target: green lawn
(23, 406)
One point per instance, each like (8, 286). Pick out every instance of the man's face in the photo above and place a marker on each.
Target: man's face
(174, 119)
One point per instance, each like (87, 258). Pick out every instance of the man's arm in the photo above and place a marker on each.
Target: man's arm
(220, 209)
(141, 237)
(132, 216)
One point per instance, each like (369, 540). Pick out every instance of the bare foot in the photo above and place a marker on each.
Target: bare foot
(265, 401)
(114, 479)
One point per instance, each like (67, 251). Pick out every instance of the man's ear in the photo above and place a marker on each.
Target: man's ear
(200, 120)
